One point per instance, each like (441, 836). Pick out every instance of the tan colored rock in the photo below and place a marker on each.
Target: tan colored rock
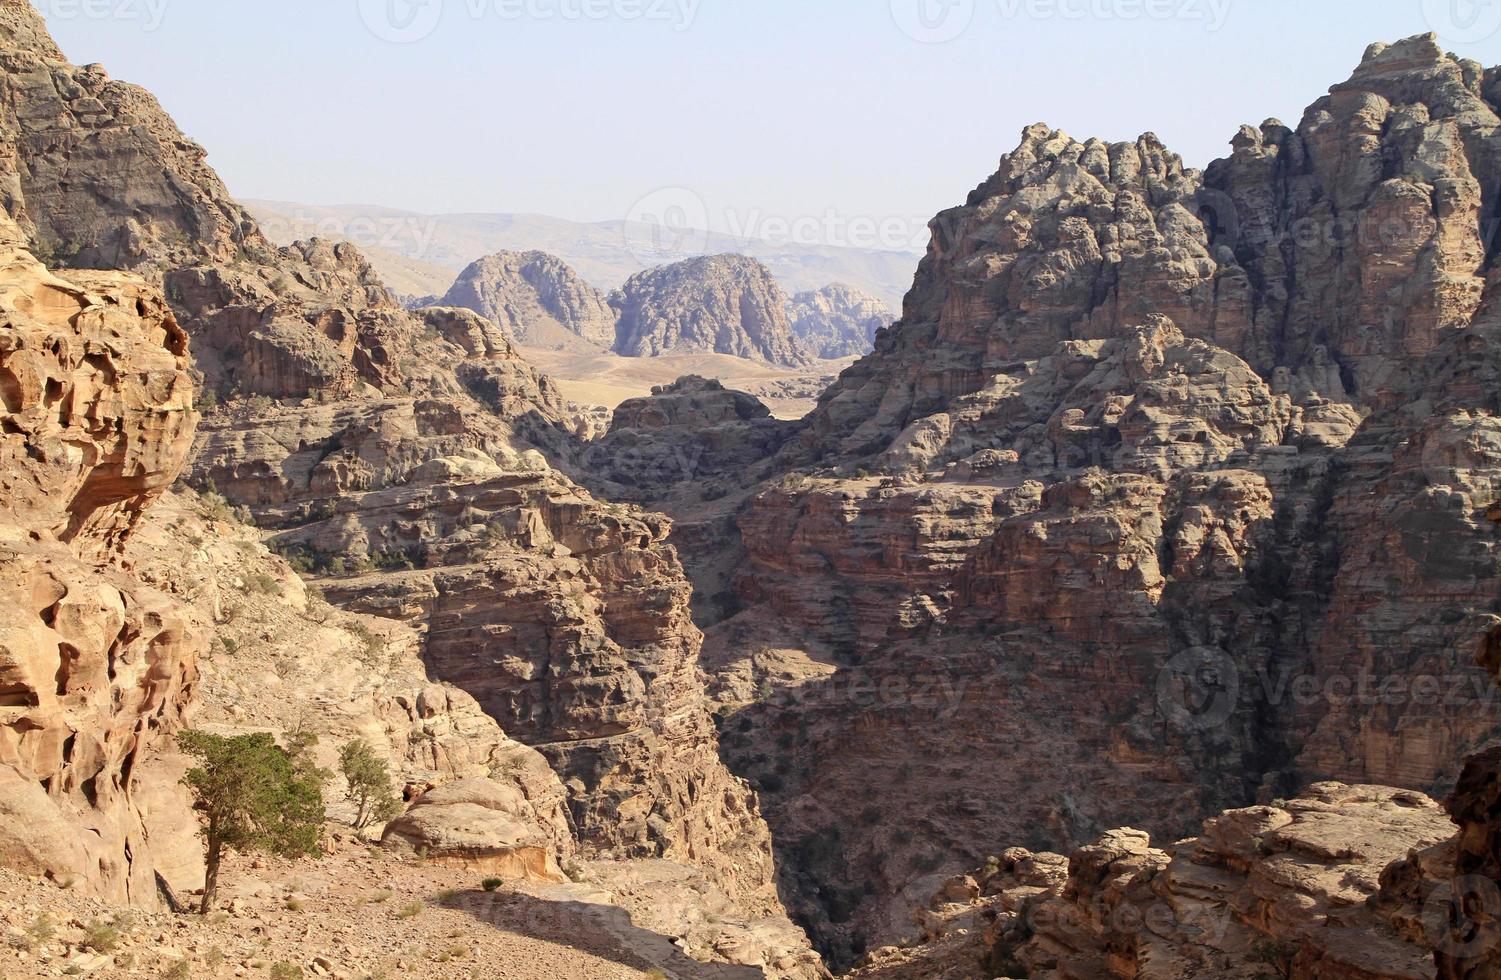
(95, 667)
(478, 825)
(727, 304)
(537, 298)
(1296, 888)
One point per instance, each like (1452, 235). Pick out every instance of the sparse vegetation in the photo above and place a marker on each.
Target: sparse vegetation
(369, 784)
(491, 884)
(260, 583)
(216, 508)
(372, 644)
(101, 936)
(286, 971)
(411, 910)
(38, 934)
(1272, 953)
(255, 796)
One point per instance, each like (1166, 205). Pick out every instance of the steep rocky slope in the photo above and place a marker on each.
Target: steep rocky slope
(537, 298)
(837, 321)
(1179, 475)
(393, 453)
(96, 667)
(1344, 881)
(728, 304)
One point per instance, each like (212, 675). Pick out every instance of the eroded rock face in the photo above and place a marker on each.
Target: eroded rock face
(150, 199)
(1168, 472)
(285, 661)
(357, 429)
(537, 297)
(95, 666)
(693, 432)
(726, 304)
(478, 825)
(589, 653)
(1335, 883)
(837, 321)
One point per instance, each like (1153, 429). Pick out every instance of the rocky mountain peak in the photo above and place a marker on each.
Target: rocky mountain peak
(837, 321)
(726, 304)
(23, 31)
(539, 298)
(151, 199)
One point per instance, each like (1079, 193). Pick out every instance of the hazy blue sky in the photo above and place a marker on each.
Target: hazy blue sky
(787, 108)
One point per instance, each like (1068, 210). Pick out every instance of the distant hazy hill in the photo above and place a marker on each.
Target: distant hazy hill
(421, 254)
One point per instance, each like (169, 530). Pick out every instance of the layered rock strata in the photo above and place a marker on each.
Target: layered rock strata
(1182, 475)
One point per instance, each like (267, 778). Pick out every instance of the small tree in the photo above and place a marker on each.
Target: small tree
(255, 796)
(369, 784)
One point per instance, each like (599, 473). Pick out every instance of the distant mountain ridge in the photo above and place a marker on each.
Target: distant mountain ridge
(539, 298)
(719, 304)
(727, 304)
(420, 254)
(837, 321)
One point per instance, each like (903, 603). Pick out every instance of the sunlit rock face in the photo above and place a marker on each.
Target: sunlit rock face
(95, 667)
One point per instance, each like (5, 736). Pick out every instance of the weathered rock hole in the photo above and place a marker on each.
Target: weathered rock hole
(68, 657)
(18, 696)
(10, 391)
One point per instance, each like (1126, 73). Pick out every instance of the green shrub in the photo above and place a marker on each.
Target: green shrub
(255, 796)
(100, 936)
(369, 784)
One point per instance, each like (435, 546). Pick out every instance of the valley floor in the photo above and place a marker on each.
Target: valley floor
(356, 913)
(608, 379)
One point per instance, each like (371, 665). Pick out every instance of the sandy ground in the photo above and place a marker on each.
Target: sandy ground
(357, 913)
(609, 379)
